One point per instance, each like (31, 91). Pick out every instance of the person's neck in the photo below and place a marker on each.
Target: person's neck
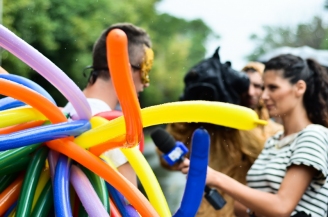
(102, 90)
(296, 121)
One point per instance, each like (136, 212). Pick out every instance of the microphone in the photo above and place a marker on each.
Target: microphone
(173, 152)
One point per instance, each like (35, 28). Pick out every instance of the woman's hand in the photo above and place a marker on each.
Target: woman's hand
(184, 166)
(211, 176)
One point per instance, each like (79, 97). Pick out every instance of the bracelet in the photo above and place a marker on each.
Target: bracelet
(250, 213)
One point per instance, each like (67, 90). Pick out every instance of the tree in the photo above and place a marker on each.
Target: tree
(64, 31)
(313, 34)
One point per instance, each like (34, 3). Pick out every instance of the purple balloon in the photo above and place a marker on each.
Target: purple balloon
(47, 69)
(86, 193)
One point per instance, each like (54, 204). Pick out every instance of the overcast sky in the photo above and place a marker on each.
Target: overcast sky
(236, 20)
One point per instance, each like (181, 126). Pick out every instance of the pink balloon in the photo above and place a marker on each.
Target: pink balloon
(47, 69)
(86, 193)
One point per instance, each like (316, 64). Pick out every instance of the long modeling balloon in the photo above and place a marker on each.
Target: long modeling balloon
(47, 69)
(120, 72)
(117, 142)
(85, 158)
(100, 187)
(125, 209)
(8, 103)
(218, 113)
(143, 171)
(113, 210)
(6, 180)
(44, 203)
(11, 156)
(28, 83)
(110, 115)
(11, 208)
(10, 194)
(86, 193)
(24, 204)
(18, 127)
(148, 180)
(61, 187)
(32, 98)
(196, 178)
(43, 134)
(44, 178)
(19, 115)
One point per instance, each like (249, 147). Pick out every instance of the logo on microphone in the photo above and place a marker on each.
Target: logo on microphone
(175, 154)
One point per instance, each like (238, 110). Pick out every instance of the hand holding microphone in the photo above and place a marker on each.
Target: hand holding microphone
(173, 152)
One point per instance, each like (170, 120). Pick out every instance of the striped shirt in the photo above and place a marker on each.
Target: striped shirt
(308, 147)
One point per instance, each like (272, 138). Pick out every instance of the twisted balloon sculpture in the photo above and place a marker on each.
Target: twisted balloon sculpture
(41, 152)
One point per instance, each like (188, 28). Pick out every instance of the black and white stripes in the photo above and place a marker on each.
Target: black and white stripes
(308, 147)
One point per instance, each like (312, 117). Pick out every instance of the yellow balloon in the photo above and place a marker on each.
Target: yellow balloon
(19, 115)
(148, 180)
(143, 171)
(108, 161)
(44, 177)
(218, 113)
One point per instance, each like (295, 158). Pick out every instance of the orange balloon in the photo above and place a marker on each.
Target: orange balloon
(113, 210)
(96, 165)
(18, 127)
(33, 99)
(120, 72)
(10, 194)
(116, 142)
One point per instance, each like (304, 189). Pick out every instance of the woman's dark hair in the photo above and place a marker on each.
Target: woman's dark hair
(315, 76)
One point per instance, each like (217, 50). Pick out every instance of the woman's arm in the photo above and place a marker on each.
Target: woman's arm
(297, 179)
(240, 209)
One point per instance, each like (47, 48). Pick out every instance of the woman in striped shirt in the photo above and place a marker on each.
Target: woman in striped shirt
(289, 178)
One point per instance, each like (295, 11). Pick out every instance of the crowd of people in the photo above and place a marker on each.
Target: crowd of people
(275, 170)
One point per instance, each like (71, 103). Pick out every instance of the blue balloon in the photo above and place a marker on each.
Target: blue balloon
(196, 180)
(125, 209)
(28, 83)
(43, 134)
(11, 208)
(8, 103)
(61, 187)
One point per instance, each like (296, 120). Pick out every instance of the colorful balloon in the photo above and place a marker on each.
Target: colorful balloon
(47, 69)
(43, 134)
(10, 194)
(28, 83)
(194, 190)
(25, 200)
(19, 116)
(32, 98)
(86, 193)
(85, 158)
(218, 113)
(120, 72)
(61, 187)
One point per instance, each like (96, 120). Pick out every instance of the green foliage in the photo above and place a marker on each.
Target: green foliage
(64, 31)
(313, 34)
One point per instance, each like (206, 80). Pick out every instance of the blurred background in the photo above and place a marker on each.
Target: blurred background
(183, 33)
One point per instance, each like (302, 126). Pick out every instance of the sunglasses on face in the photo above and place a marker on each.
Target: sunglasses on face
(144, 74)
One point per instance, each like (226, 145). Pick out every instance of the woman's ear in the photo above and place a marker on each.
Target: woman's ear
(300, 88)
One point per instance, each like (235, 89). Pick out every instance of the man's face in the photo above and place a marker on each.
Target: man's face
(140, 74)
(136, 76)
(252, 97)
